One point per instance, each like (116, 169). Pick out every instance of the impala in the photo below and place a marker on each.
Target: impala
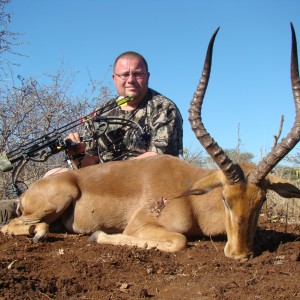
(161, 200)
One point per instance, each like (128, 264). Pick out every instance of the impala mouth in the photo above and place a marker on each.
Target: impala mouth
(241, 258)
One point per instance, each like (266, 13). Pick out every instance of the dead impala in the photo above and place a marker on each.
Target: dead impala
(162, 200)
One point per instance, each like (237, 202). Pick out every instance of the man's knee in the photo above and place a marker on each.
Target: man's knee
(55, 171)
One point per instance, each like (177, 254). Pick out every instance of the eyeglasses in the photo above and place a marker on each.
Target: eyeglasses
(135, 75)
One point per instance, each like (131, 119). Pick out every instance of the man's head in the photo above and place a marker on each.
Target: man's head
(131, 75)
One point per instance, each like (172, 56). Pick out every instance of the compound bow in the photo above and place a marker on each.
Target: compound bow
(40, 149)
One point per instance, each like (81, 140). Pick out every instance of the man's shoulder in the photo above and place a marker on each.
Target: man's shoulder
(158, 99)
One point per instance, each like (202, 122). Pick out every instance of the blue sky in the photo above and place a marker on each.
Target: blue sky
(250, 80)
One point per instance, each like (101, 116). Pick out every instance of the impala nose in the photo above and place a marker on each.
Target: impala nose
(237, 253)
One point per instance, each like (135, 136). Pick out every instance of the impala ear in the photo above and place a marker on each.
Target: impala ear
(282, 187)
(206, 184)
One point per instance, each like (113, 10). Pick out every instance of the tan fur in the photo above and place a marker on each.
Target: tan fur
(140, 203)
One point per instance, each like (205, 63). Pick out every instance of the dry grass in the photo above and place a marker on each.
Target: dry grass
(283, 210)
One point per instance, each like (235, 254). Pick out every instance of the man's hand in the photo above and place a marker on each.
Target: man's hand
(80, 146)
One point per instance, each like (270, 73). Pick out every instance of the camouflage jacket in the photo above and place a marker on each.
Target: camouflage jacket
(157, 116)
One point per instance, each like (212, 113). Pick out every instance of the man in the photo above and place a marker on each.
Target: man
(157, 124)
(158, 116)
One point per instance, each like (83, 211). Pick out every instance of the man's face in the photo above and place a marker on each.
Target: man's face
(131, 78)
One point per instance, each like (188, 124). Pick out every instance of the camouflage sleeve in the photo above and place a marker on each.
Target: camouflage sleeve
(166, 130)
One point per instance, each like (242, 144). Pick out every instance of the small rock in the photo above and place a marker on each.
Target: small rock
(144, 294)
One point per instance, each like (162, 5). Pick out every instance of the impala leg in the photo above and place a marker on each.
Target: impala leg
(162, 239)
(144, 232)
(29, 225)
(41, 206)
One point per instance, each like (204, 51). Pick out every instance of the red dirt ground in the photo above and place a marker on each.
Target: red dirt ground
(67, 266)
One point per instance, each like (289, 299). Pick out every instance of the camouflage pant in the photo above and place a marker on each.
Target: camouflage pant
(7, 211)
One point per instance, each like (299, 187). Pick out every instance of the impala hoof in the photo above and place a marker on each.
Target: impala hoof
(39, 232)
(93, 237)
(96, 236)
